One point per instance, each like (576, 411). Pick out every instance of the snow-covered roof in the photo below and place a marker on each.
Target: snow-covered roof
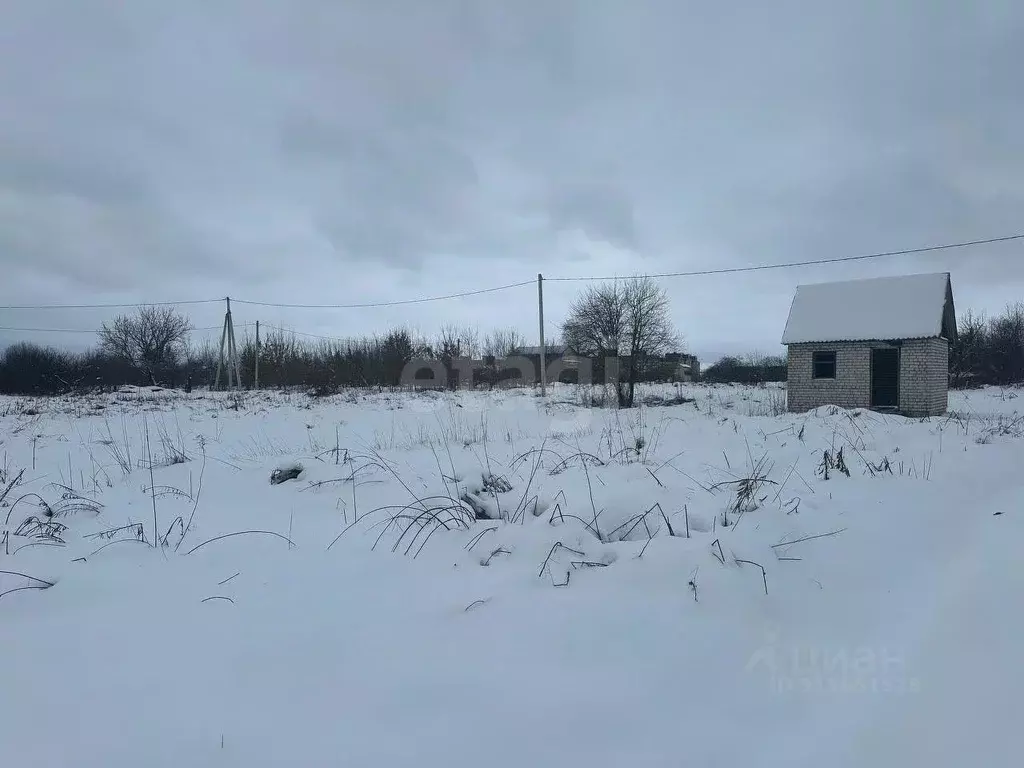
(875, 309)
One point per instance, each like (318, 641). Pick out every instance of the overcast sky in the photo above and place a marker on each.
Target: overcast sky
(341, 151)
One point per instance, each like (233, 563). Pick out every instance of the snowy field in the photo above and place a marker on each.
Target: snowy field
(491, 579)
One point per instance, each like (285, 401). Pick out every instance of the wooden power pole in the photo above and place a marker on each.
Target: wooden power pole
(543, 356)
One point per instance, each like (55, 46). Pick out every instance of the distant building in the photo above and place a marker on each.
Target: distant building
(879, 343)
(684, 367)
(552, 352)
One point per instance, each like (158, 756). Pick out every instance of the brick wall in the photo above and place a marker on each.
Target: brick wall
(923, 376)
(851, 387)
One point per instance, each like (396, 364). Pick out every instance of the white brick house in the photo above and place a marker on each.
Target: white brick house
(877, 343)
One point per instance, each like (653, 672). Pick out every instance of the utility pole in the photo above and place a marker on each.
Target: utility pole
(256, 376)
(543, 358)
(234, 350)
(227, 360)
(220, 354)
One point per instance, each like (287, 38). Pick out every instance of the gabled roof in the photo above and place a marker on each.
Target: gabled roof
(876, 309)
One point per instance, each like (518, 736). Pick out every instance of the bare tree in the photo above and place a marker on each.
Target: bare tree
(499, 345)
(649, 330)
(470, 341)
(153, 340)
(596, 321)
(199, 361)
(1006, 345)
(611, 320)
(454, 345)
(503, 342)
(594, 329)
(967, 353)
(449, 344)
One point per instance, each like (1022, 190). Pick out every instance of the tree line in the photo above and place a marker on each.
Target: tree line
(625, 322)
(154, 348)
(628, 322)
(987, 351)
(754, 368)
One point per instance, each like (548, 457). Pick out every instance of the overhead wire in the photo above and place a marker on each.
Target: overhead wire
(790, 264)
(133, 305)
(495, 289)
(400, 302)
(95, 331)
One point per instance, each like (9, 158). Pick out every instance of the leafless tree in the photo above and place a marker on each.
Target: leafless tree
(449, 344)
(470, 341)
(503, 342)
(455, 343)
(1006, 345)
(596, 322)
(152, 340)
(498, 346)
(612, 319)
(649, 329)
(967, 353)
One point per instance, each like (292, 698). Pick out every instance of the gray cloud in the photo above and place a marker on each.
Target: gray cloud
(603, 212)
(328, 152)
(386, 196)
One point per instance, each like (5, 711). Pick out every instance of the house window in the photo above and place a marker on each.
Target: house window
(824, 364)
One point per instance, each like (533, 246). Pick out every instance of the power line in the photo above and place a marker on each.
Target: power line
(86, 330)
(301, 333)
(369, 305)
(48, 330)
(761, 267)
(694, 273)
(110, 306)
(495, 289)
(304, 333)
